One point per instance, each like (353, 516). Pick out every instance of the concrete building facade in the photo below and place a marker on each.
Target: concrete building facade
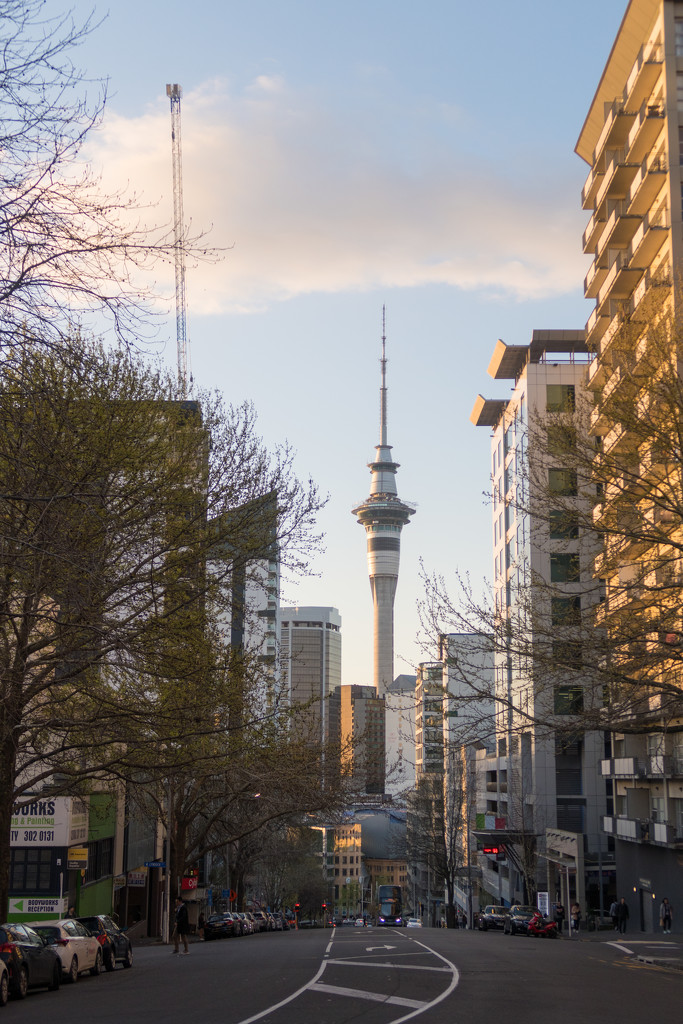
(632, 141)
(540, 778)
(310, 663)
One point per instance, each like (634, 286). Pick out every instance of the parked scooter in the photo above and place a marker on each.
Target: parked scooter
(540, 928)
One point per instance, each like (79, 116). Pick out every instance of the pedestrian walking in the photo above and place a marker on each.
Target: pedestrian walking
(613, 915)
(576, 918)
(665, 916)
(559, 917)
(181, 927)
(622, 915)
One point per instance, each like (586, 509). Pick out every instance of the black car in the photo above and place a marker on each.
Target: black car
(116, 946)
(219, 926)
(492, 917)
(31, 963)
(517, 922)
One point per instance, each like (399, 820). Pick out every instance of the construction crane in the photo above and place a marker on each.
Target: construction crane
(174, 92)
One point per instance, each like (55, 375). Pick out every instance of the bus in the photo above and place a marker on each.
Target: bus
(390, 900)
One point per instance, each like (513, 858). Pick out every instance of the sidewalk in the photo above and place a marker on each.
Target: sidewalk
(653, 949)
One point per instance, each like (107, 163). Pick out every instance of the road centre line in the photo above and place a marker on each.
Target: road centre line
(375, 997)
(399, 967)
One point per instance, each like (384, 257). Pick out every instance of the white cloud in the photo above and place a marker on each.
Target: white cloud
(317, 199)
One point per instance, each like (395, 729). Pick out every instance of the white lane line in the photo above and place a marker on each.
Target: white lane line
(294, 995)
(444, 995)
(375, 997)
(386, 963)
(618, 945)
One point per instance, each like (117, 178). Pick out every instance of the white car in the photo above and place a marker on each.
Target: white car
(78, 950)
(414, 922)
(360, 923)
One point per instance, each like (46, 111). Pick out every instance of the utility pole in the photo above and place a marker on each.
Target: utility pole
(174, 92)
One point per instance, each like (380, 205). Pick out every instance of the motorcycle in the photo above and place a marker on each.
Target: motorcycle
(540, 928)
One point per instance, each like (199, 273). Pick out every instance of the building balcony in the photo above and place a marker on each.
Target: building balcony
(596, 374)
(644, 131)
(649, 239)
(616, 129)
(592, 184)
(624, 768)
(595, 277)
(642, 830)
(597, 324)
(593, 231)
(646, 70)
(618, 178)
(622, 277)
(646, 185)
(619, 229)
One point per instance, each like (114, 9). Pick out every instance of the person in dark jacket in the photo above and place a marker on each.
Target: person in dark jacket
(181, 928)
(622, 915)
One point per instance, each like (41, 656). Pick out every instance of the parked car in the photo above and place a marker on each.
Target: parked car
(517, 920)
(76, 947)
(413, 922)
(116, 946)
(247, 923)
(30, 962)
(492, 916)
(4, 983)
(238, 925)
(219, 926)
(279, 922)
(260, 919)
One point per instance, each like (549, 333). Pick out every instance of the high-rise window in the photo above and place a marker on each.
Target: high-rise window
(560, 397)
(565, 567)
(563, 481)
(679, 37)
(564, 524)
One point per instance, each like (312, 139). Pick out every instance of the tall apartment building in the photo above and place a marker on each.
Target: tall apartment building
(356, 722)
(544, 776)
(632, 140)
(310, 663)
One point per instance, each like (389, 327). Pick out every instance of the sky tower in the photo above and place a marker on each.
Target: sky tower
(383, 515)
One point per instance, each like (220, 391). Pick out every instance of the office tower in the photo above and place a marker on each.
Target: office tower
(310, 663)
(383, 515)
(356, 723)
(632, 140)
(541, 780)
(400, 735)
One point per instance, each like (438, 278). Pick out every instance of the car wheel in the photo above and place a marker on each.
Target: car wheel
(4, 989)
(57, 976)
(128, 962)
(97, 966)
(72, 976)
(109, 961)
(21, 987)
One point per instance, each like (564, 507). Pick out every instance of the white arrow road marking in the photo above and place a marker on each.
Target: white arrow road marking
(369, 949)
(375, 997)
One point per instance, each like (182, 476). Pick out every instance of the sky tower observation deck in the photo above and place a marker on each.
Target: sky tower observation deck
(383, 515)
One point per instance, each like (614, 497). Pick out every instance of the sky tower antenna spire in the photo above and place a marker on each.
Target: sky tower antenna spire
(174, 92)
(383, 389)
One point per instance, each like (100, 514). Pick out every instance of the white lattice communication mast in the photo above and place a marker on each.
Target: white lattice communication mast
(174, 92)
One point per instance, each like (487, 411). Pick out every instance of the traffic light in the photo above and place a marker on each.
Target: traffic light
(297, 908)
(324, 906)
(491, 850)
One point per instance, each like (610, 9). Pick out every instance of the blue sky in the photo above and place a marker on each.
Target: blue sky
(349, 156)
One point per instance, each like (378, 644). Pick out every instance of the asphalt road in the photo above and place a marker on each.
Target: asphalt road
(377, 976)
